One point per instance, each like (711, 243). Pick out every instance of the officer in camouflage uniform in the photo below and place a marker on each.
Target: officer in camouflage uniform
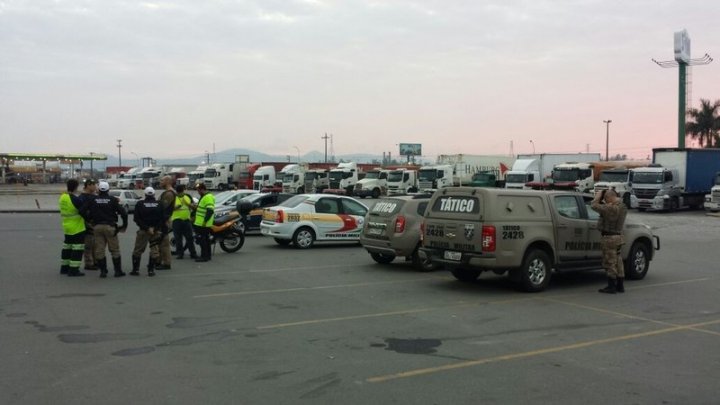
(150, 219)
(89, 192)
(611, 224)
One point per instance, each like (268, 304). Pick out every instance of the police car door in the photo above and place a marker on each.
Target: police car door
(571, 229)
(353, 215)
(326, 217)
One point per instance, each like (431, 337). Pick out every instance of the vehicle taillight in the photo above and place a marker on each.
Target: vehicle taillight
(280, 217)
(488, 238)
(400, 224)
(422, 231)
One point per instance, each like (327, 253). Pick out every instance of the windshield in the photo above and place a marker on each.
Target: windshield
(427, 175)
(372, 175)
(648, 177)
(395, 176)
(515, 178)
(115, 193)
(222, 197)
(565, 175)
(258, 177)
(614, 177)
(288, 178)
(336, 175)
(210, 173)
(484, 177)
(294, 201)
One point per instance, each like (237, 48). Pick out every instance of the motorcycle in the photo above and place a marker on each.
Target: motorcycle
(227, 231)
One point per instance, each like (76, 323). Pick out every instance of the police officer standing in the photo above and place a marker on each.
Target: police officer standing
(204, 219)
(73, 229)
(89, 192)
(103, 211)
(181, 225)
(611, 224)
(167, 200)
(150, 217)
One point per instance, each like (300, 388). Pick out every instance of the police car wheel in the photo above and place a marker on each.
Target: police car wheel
(465, 275)
(376, 193)
(381, 258)
(637, 262)
(535, 271)
(282, 242)
(303, 238)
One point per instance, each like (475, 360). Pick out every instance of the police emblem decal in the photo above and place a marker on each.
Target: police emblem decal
(469, 231)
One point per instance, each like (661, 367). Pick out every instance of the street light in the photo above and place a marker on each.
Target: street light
(298, 152)
(607, 139)
(533, 145)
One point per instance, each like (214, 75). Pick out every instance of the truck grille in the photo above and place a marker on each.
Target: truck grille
(716, 196)
(645, 193)
(425, 185)
(358, 187)
(335, 185)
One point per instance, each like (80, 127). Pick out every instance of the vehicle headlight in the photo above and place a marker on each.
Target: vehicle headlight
(708, 198)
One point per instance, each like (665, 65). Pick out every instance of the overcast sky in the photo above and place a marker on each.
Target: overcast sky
(172, 78)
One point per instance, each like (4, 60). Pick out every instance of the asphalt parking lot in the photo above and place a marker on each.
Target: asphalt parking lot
(277, 325)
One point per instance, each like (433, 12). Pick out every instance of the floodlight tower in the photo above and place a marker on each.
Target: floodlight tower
(682, 60)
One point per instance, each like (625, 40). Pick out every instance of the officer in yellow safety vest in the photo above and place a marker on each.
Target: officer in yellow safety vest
(74, 230)
(181, 225)
(204, 219)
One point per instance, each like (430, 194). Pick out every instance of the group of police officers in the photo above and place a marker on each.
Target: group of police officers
(90, 226)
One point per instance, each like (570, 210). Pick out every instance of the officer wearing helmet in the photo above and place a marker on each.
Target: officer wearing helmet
(103, 212)
(150, 219)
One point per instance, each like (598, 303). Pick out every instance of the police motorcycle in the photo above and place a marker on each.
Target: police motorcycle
(227, 230)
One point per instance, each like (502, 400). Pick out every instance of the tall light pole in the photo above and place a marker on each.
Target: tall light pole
(533, 145)
(119, 145)
(607, 139)
(326, 137)
(298, 152)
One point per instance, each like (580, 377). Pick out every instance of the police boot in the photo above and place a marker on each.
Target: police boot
(151, 268)
(136, 266)
(611, 287)
(117, 265)
(64, 269)
(619, 284)
(102, 265)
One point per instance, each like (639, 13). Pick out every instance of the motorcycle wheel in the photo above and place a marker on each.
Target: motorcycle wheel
(232, 242)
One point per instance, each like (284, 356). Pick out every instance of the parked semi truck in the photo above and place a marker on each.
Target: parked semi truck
(222, 176)
(712, 200)
(678, 178)
(536, 168)
(343, 179)
(127, 180)
(374, 184)
(264, 177)
(402, 181)
(619, 178)
(316, 180)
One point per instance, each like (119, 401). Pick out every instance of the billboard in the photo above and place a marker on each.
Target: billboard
(410, 149)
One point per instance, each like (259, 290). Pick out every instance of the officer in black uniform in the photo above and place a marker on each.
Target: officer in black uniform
(103, 211)
(150, 218)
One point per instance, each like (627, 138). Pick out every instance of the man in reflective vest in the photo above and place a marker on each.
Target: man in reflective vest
(74, 230)
(181, 225)
(204, 219)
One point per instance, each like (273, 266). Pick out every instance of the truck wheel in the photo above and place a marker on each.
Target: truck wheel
(222, 187)
(535, 271)
(412, 190)
(637, 262)
(465, 275)
(381, 258)
(422, 265)
(282, 242)
(674, 204)
(301, 190)
(642, 209)
(376, 193)
(303, 238)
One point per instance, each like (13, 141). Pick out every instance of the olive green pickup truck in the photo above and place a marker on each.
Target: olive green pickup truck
(524, 233)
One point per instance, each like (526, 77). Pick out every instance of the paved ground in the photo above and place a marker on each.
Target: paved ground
(328, 325)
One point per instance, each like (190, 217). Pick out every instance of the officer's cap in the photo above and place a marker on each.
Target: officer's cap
(104, 186)
(149, 191)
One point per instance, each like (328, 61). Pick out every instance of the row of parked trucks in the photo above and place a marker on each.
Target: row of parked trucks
(675, 178)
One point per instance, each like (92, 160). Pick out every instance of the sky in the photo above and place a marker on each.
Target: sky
(179, 78)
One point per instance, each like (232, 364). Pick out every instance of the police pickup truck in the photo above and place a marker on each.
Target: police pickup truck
(524, 233)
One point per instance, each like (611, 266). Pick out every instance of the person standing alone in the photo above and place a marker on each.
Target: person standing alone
(149, 217)
(73, 229)
(181, 225)
(204, 219)
(611, 224)
(103, 211)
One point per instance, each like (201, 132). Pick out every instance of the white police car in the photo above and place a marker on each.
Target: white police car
(307, 218)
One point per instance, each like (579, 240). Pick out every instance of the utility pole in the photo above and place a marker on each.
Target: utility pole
(326, 137)
(119, 145)
(607, 139)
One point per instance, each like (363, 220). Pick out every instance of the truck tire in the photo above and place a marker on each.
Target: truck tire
(376, 193)
(381, 258)
(301, 190)
(534, 275)
(674, 204)
(637, 263)
(303, 238)
(465, 275)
